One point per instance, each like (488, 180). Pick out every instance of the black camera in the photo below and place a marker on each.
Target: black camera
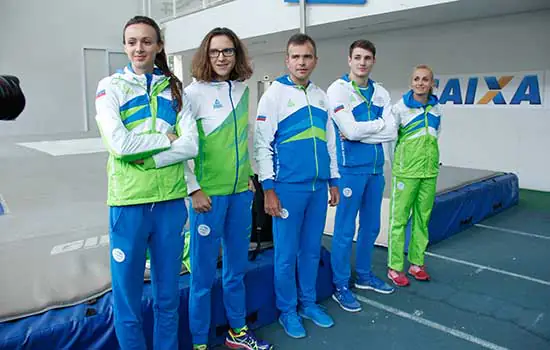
(12, 99)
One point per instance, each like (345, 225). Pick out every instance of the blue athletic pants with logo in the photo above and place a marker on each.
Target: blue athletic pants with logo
(297, 236)
(133, 229)
(358, 194)
(228, 223)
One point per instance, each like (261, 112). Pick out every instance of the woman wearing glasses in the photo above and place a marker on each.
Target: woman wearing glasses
(220, 186)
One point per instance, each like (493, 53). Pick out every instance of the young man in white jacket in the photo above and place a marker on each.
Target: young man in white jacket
(362, 113)
(295, 153)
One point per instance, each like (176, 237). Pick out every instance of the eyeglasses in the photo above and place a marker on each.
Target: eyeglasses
(215, 53)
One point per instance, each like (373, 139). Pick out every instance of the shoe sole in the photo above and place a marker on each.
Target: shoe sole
(236, 346)
(312, 320)
(343, 307)
(360, 286)
(290, 335)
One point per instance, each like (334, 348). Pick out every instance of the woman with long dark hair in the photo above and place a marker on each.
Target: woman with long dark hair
(149, 131)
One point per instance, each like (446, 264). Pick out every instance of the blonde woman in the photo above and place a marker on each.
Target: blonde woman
(415, 169)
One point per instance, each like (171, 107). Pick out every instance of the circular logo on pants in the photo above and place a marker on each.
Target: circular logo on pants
(204, 230)
(400, 186)
(347, 192)
(284, 213)
(118, 255)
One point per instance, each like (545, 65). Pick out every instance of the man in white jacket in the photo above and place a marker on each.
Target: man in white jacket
(296, 157)
(362, 113)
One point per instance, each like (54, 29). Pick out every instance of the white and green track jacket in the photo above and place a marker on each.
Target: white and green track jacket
(417, 150)
(222, 166)
(134, 114)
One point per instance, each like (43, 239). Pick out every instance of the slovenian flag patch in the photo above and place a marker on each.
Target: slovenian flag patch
(261, 118)
(338, 108)
(100, 94)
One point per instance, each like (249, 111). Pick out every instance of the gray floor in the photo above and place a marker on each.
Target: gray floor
(464, 306)
(490, 288)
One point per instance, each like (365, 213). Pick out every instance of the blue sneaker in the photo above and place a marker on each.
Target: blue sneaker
(345, 298)
(317, 315)
(292, 324)
(371, 282)
(246, 340)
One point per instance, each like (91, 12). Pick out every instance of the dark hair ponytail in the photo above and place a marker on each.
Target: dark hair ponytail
(175, 84)
(160, 60)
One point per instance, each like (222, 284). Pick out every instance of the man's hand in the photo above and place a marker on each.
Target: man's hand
(172, 137)
(380, 123)
(272, 204)
(251, 186)
(139, 161)
(201, 202)
(334, 196)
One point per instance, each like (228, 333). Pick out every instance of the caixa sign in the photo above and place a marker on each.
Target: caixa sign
(508, 90)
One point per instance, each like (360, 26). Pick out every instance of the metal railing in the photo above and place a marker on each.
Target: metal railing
(165, 10)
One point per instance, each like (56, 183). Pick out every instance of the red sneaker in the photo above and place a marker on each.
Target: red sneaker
(419, 273)
(398, 278)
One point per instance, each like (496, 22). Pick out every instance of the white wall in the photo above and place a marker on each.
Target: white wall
(512, 140)
(41, 42)
(251, 18)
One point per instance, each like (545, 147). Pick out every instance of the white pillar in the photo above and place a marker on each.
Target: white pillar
(178, 66)
(303, 16)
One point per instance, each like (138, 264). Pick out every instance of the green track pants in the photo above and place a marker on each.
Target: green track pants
(409, 197)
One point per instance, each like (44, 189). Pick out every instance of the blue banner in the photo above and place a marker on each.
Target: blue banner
(334, 2)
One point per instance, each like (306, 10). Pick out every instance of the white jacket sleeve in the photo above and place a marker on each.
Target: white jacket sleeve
(193, 97)
(343, 116)
(396, 113)
(331, 145)
(389, 131)
(266, 125)
(440, 121)
(120, 142)
(187, 144)
(190, 178)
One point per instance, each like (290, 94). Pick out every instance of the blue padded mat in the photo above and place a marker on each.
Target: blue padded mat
(456, 210)
(90, 325)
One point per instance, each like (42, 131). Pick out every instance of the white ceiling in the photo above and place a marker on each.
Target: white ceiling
(450, 12)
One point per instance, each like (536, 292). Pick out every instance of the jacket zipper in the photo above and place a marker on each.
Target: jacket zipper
(375, 146)
(369, 103)
(236, 138)
(148, 93)
(427, 137)
(314, 140)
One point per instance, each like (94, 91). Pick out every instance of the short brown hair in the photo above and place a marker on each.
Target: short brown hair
(301, 39)
(363, 44)
(201, 68)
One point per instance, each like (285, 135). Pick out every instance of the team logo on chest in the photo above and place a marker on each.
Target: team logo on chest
(217, 104)
(290, 103)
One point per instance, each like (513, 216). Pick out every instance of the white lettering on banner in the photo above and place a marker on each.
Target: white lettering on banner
(507, 90)
(88, 243)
